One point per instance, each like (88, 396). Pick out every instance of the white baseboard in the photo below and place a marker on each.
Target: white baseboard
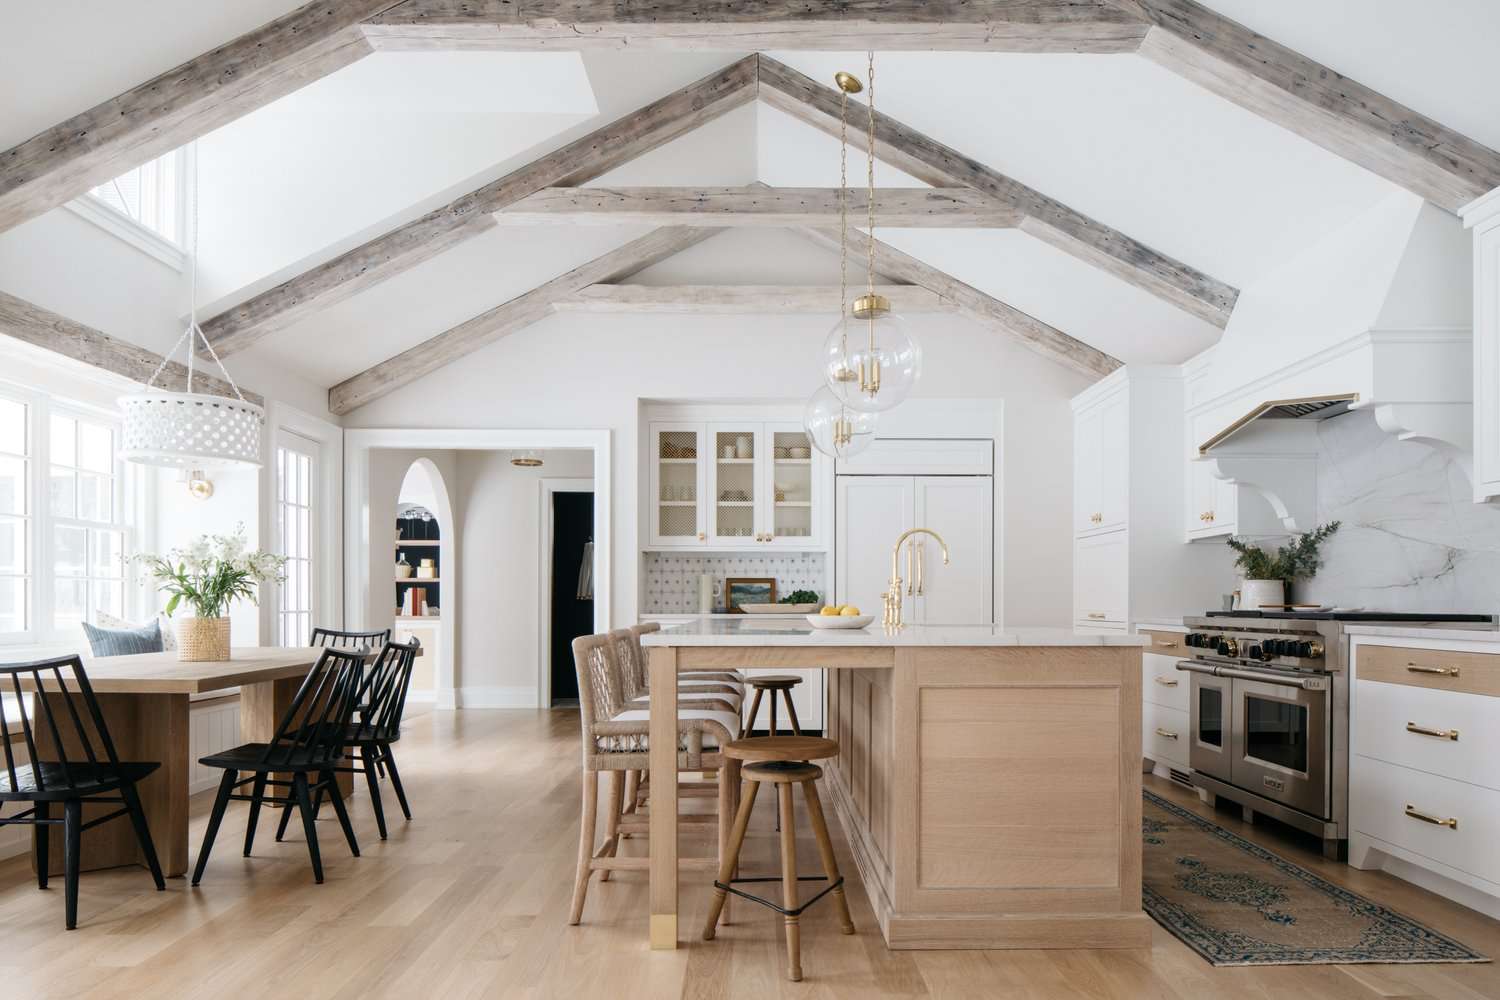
(14, 840)
(496, 697)
(446, 699)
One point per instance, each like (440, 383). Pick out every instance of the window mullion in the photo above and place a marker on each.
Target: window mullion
(41, 520)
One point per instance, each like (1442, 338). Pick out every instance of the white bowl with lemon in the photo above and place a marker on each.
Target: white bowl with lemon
(839, 616)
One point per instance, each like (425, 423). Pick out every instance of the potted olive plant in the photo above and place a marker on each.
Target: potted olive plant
(210, 574)
(1266, 574)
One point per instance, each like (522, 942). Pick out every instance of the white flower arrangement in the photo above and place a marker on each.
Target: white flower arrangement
(213, 572)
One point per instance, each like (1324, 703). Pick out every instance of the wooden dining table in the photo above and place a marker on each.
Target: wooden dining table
(145, 700)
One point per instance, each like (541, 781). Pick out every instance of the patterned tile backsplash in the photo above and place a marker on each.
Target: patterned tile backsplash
(671, 585)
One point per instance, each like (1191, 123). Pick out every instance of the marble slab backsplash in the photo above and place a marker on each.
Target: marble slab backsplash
(1412, 537)
(671, 578)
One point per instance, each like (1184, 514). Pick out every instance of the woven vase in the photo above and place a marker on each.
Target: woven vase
(202, 639)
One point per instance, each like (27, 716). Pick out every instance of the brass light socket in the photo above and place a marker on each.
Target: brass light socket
(868, 306)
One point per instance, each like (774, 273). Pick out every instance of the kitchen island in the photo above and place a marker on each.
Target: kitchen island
(988, 781)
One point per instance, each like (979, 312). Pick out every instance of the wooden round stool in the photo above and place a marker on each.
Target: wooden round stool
(774, 683)
(782, 761)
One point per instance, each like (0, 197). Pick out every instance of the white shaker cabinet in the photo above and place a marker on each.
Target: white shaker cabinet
(1483, 217)
(1101, 457)
(873, 511)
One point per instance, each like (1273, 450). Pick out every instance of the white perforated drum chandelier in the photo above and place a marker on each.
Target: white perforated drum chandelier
(191, 430)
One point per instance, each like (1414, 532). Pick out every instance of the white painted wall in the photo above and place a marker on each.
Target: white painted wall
(579, 371)
(499, 536)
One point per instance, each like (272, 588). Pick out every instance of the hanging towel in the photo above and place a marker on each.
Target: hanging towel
(586, 573)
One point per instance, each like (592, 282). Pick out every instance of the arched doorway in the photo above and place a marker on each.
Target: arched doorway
(426, 578)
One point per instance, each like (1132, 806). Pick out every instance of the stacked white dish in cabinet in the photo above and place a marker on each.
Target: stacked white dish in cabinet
(1164, 701)
(1424, 773)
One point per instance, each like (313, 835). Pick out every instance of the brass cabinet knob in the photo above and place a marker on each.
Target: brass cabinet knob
(702, 537)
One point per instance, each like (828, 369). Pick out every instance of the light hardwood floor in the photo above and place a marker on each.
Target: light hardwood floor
(471, 900)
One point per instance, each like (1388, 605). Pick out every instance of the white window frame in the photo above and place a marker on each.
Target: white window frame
(308, 548)
(39, 550)
(116, 522)
(172, 250)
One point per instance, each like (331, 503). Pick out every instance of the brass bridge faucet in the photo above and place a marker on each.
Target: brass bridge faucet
(891, 600)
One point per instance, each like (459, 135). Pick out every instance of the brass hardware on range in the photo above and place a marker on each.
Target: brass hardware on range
(1417, 668)
(1415, 813)
(1166, 682)
(1442, 734)
(1097, 616)
(891, 600)
(1165, 734)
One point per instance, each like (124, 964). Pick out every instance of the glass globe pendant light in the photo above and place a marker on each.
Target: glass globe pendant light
(836, 429)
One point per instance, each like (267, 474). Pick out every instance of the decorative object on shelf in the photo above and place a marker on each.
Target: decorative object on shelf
(403, 568)
(744, 447)
(747, 590)
(870, 360)
(427, 570)
(727, 451)
(527, 459)
(210, 575)
(799, 451)
(1267, 574)
(190, 429)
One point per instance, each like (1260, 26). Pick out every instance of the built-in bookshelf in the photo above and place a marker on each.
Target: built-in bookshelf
(418, 539)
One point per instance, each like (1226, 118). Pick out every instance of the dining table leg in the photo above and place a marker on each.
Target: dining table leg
(262, 707)
(662, 735)
(143, 727)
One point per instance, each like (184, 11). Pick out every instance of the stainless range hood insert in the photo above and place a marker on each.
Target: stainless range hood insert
(1304, 408)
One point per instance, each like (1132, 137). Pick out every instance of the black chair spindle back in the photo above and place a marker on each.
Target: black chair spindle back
(312, 730)
(333, 638)
(387, 683)
(48, 675)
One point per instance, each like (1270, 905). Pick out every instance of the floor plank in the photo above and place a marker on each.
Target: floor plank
(470, 899)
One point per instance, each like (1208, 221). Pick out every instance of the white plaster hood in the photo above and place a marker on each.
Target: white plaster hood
(1377, 316)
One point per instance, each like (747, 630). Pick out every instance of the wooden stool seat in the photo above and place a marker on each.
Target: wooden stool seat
(753, 749)
(774, 683)
(781, 761)
(782, 772)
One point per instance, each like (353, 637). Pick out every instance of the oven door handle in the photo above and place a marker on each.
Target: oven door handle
(1282, 680)
(1195, 668)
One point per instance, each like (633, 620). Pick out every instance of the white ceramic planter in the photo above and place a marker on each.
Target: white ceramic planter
(1256, 594)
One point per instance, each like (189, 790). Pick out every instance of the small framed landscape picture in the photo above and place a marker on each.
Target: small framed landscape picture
(742, 590)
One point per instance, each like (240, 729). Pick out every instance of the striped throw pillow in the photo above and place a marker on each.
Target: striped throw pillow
(168, 636)
(122, 641)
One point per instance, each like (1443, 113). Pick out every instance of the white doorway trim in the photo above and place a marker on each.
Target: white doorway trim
(444, 692)
(358, 444)
(544, 581)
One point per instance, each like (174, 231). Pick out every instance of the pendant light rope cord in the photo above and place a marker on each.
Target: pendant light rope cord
(870, 191)
(193, 326)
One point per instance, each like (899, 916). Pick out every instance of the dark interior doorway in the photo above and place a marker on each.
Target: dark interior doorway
(572, 615)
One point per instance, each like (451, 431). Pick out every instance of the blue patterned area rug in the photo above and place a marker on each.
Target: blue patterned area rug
(1236, 903)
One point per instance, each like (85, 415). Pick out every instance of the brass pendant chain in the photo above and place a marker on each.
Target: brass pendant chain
(873, 386)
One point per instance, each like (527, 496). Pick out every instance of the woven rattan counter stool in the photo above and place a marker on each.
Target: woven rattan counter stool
(781, 761)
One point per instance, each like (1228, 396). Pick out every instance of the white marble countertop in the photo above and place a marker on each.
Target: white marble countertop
(754, 630)
(1431, 632)
(653, 616)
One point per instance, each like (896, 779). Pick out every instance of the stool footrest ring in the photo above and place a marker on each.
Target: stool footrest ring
(730, 887)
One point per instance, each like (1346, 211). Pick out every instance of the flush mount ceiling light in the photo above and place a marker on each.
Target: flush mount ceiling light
(528, 459)
(191, 430)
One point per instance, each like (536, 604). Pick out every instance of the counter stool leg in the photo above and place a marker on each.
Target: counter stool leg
(754, 707)
(731, 859)
(585, 842)
(791, 711)
(612, 819)
(789, 883)
(729, 781)
(825, 848)
(774, 731)
(632, 792)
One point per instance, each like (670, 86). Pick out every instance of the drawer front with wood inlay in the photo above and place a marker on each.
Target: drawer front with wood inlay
(1163, 684)
(1164, 734)
(1450, 822)
(1443, 732)
(1440, 669)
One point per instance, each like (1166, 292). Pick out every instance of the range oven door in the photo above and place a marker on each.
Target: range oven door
(1209, 722)
(1280, 741)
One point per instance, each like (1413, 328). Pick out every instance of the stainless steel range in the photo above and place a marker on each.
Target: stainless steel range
(1270, 711)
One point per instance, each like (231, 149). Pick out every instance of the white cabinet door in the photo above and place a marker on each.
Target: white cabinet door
(871, 513)
(791, 488)
(733, 485)
(1212, 503)
(678, 485)
(961, 509)
(1087, 467)
(1100, 586)
(1114, 461)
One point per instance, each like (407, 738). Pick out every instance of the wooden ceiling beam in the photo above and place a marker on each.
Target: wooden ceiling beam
(508, 317)
(409, 244)
(1342, 115)
(50, 331)
(757, 206)
(984, 309)
(736, 26)
(185, 102)
(1045, 218)
(734, 300)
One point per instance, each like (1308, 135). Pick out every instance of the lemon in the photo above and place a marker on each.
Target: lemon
(849, 611)
(829, 611)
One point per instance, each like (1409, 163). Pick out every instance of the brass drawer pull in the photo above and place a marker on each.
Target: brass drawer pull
(1442, 734)
(1415, 813)
(1164, 645)
(1417, 668)
(1165, 734)
(1166, 682)
(1097, 616)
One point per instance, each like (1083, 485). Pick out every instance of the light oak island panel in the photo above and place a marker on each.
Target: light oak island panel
(984, 779)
